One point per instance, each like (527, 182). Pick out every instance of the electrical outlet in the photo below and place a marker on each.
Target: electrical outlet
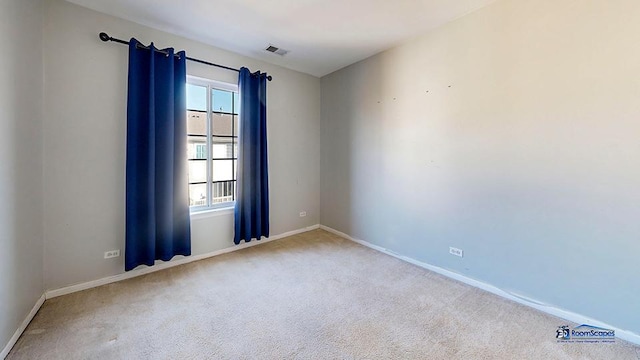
(111, 254)
(303, 213)
(455, 251)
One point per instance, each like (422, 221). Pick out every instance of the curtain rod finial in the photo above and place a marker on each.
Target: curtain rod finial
(104, 36)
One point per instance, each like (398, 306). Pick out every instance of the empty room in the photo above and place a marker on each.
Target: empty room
(286, 179)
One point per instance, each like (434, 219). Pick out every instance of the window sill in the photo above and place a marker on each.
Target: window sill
(207, 213)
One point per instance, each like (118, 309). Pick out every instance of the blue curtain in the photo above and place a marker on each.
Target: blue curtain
(252, 201)
(157, 205)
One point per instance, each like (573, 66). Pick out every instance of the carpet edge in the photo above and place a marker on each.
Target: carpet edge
(626, 335)
(14, 339)
(168, 264)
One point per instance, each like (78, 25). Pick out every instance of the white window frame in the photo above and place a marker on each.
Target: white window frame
(212, 84)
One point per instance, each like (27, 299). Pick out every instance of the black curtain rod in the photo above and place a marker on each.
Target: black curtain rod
(104, 37)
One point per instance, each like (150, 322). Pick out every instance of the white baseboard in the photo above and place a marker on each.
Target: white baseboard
(165, 265)
(22, 327)
(549, 309)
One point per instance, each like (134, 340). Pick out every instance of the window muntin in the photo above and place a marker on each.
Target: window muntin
(212, 131)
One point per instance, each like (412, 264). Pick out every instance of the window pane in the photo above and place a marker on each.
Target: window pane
(196, 147)
(197, 171)
(223, 192)
(221, 100)
(236, 125)
(236, 103)
(196, 123)
(210, 140)
(221, 150)
(221, 125)
(222, 170)
(198, 195)
(196, 97)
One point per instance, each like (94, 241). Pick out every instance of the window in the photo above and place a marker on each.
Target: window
(212, 131)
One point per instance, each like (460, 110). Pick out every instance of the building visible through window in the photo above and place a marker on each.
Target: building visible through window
(212, 128)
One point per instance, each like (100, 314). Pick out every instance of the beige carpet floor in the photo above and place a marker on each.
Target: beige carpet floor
(309, 296)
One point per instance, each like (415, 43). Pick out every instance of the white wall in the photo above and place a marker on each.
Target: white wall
(511, 133)
(21, 162)
(84, 142)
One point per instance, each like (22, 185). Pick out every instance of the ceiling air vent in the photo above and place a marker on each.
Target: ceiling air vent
(276, 50)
